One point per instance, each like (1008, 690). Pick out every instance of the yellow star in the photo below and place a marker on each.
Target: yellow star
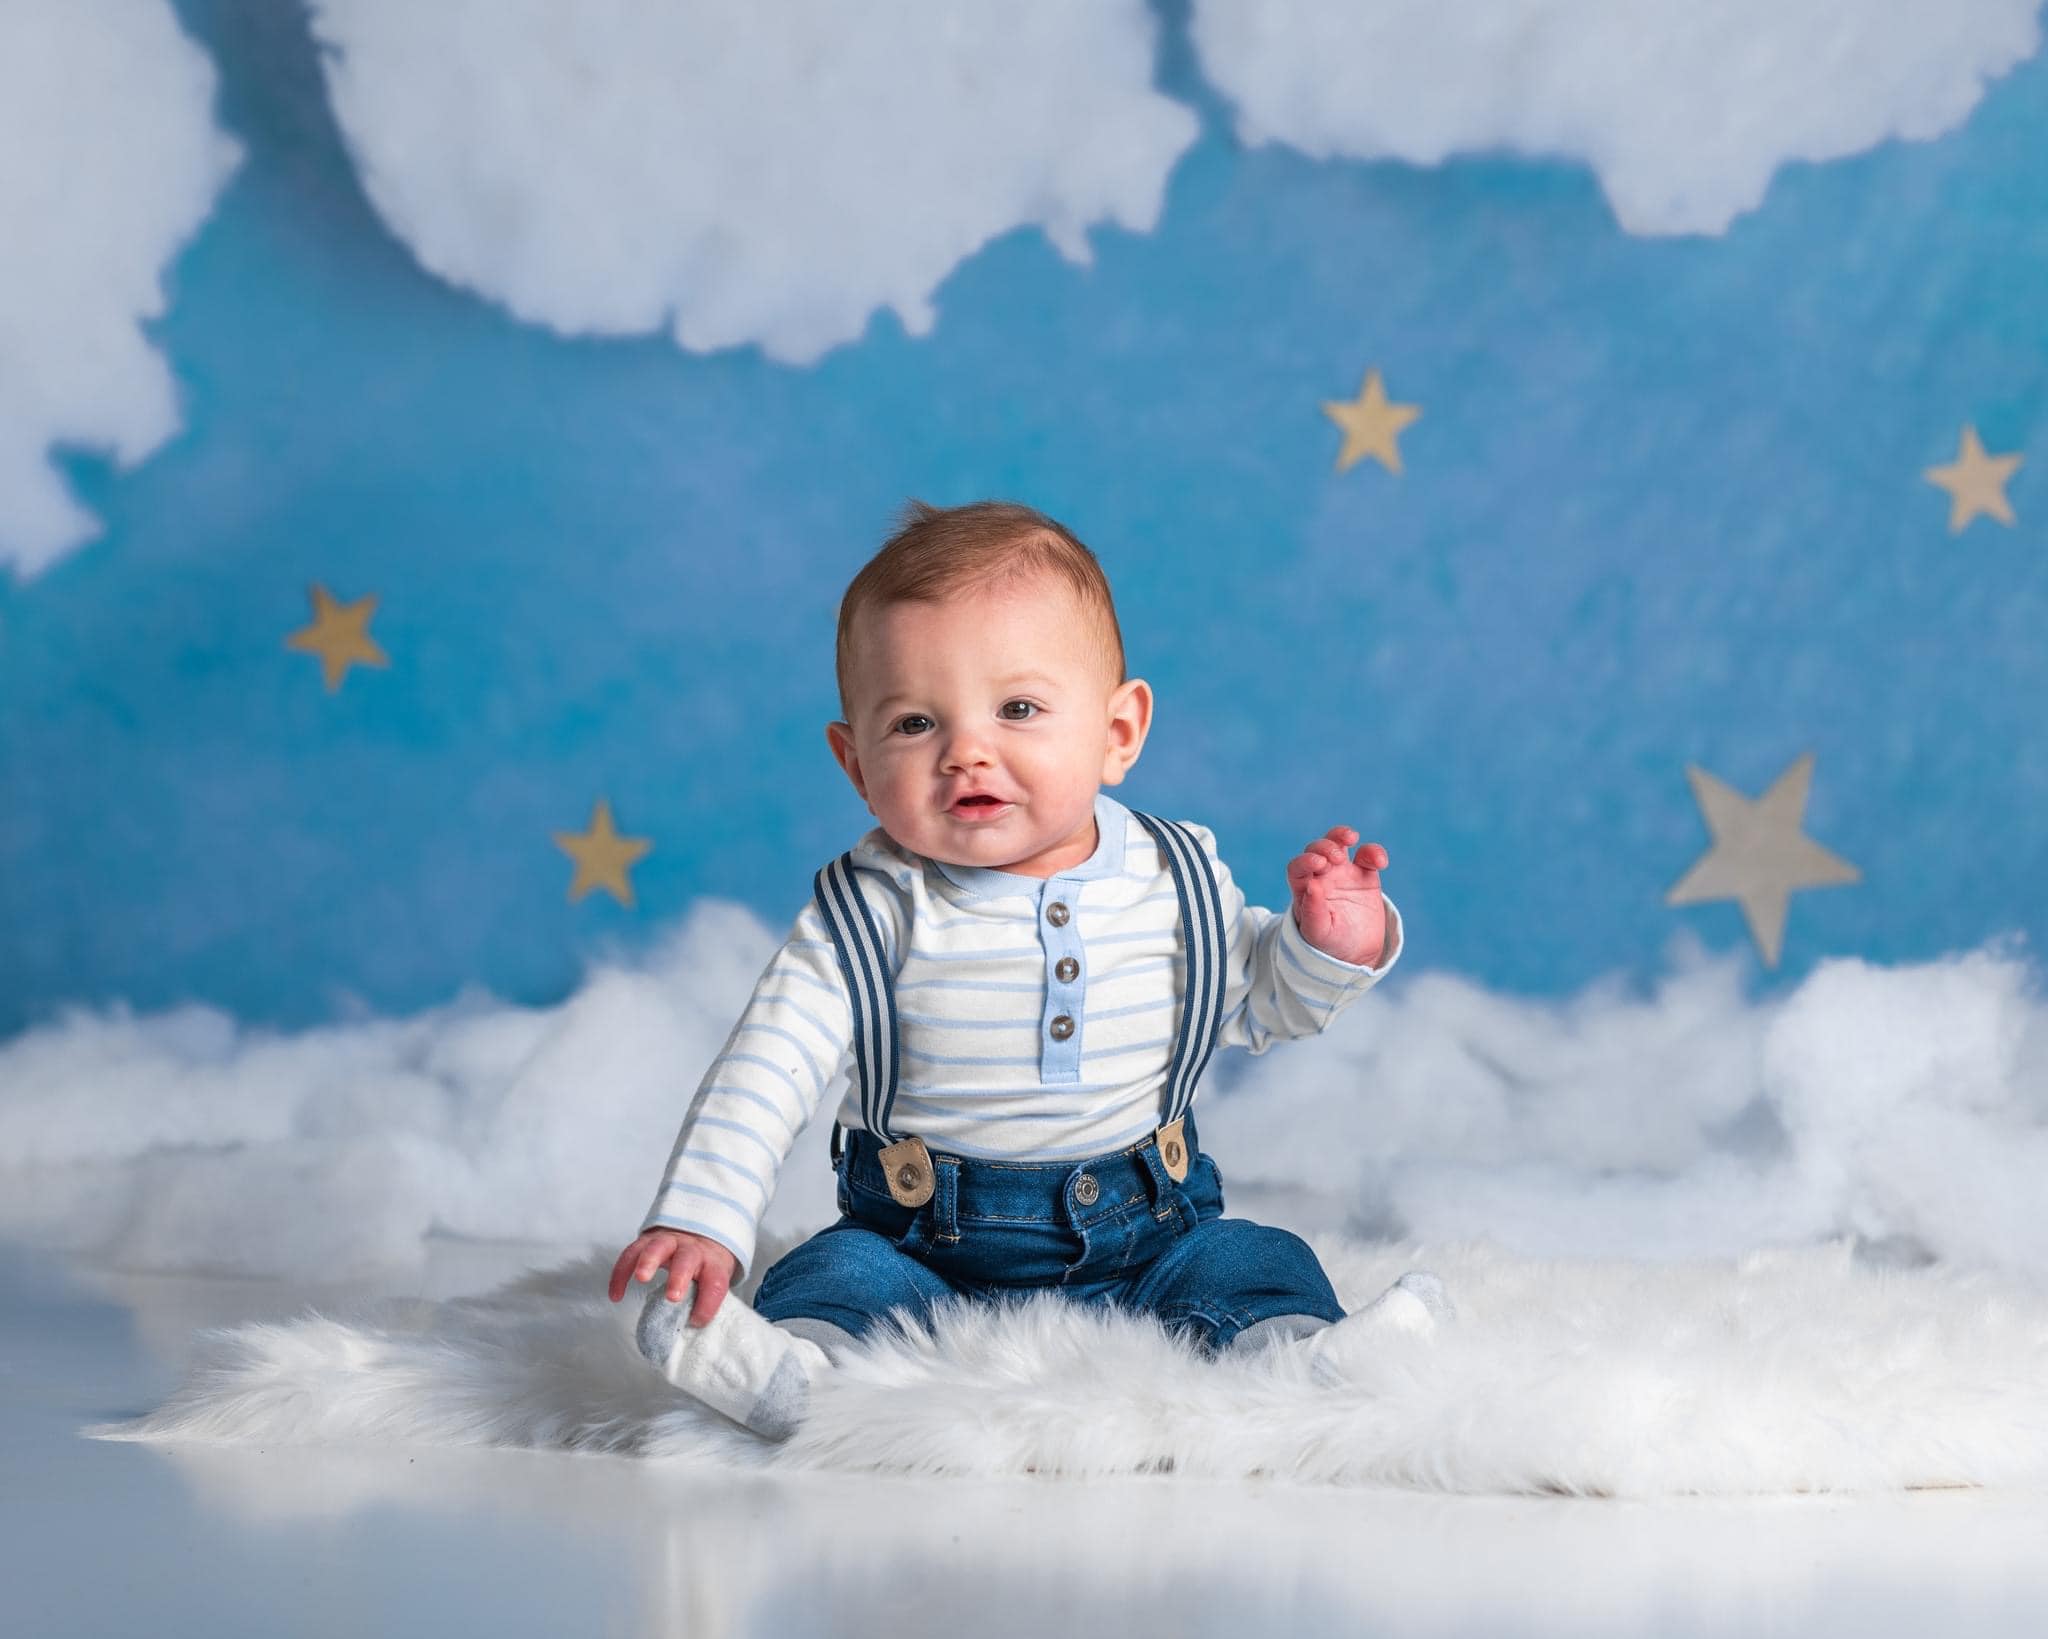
(1370, 425)
(340, 636)
(1975, 483)
(602, 856)
(1759, 855)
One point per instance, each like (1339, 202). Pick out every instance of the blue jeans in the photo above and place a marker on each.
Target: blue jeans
(1113, 1229)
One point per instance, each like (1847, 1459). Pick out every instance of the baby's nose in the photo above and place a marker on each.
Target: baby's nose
(965, 749)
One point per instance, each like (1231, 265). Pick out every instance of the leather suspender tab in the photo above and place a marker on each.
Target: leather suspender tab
(907, 1169)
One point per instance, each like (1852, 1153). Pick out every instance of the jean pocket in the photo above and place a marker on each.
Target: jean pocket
(882, 1213)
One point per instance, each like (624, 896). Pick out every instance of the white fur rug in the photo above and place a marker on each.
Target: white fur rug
(1786, 1371)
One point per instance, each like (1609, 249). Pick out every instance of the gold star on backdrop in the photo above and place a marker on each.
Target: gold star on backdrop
(340, 636)
(602, 856)
(1370, 425)
(1975, 483)
(1759, 855)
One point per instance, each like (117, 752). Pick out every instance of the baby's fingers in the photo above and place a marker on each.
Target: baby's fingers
(711, 1286)
(638, 1262)
(1304, 868)
(1334, 845)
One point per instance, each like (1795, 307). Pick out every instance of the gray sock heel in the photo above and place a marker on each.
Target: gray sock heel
(1435, 1296)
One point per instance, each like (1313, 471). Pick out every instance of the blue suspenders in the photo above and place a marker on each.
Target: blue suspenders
(870, 986)
(1202, 938)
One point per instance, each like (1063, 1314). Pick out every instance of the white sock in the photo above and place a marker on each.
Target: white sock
(752, 1370)
(1415, 1303)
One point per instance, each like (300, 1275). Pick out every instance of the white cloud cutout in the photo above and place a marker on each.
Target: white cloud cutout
(109, 161)
(1684, 110)
(743, 174)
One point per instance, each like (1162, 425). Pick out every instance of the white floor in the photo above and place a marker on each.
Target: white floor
(105, 1538)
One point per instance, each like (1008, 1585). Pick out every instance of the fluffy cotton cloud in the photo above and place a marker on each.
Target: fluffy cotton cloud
(184, 1141)
(736, 173)
(1900, 1106)
(1683, 110)
(109, 160)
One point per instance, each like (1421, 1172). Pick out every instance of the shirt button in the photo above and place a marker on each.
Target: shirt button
(1056, 913)
(1086, 1189)
(1066, 969)
(1062, 1026)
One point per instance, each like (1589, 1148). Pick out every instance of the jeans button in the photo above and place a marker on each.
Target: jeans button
(1086, 1189)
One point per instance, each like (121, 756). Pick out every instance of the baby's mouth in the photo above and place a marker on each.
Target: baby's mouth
(979, 807)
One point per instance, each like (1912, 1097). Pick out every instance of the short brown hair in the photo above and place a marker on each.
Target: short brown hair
(937, 552)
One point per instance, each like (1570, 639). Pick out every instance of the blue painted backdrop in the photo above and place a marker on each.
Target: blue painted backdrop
(1664, 506)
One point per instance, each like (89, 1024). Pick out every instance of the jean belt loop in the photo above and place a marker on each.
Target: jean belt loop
(1157, 1184)
(945, 1204)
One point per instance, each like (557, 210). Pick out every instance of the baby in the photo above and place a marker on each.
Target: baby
(1029, 978)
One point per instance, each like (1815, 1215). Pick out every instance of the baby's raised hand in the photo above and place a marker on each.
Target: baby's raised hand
(1337, 903)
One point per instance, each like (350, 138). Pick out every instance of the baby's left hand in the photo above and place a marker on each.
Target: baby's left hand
(1337, 903)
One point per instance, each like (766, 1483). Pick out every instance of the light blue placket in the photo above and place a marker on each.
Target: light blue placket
(1066, 999)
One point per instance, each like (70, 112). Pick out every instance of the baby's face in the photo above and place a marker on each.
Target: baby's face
(983, 726)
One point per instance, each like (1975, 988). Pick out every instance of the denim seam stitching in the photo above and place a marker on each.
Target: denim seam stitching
(1055, 1166)
(1115, 1209)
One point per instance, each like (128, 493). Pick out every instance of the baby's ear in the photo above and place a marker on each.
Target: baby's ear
(1130, 720)
(840, 737)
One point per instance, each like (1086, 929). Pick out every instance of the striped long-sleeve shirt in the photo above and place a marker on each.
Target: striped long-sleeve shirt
(980, 972)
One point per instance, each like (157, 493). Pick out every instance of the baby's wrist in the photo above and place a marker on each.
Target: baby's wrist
(1366, 958)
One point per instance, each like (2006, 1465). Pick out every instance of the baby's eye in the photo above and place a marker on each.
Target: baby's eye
(1024, 716)
(913, 724)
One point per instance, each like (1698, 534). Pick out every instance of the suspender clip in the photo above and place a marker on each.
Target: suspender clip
(907, 1169)
(1173, 1150)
